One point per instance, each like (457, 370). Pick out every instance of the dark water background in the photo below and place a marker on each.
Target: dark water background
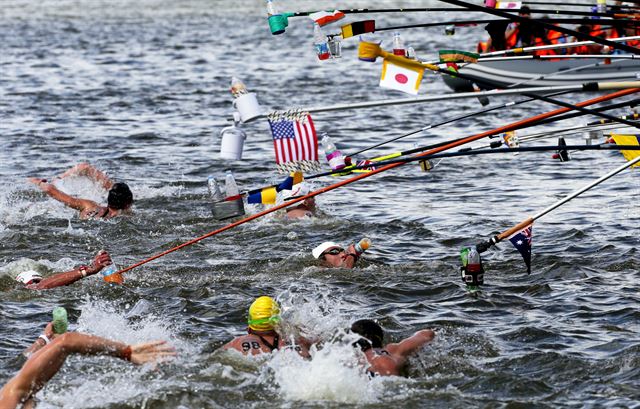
(140, 89)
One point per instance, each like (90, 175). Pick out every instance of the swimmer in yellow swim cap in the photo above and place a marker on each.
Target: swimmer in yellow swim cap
(262, 337)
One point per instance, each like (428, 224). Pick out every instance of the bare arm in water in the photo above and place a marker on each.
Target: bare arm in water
(85, 169)
(44, 364)
(71, 201)
(57, 280)
(409, 345)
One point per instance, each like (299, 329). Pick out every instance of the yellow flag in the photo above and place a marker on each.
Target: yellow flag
(269, 195)
(628, 140)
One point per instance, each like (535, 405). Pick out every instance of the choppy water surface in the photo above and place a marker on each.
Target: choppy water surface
(140, 89)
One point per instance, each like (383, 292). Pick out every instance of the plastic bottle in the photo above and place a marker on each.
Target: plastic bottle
(398, 45)
(214, 189)
(601, 6)
(238, 88)
(334, 156)
(362, 245)
(109, 274)
(320, 42)
(233, 193)
(271, 8)
(411, 53)
(60, 320)
(473, 261)
(450, 30)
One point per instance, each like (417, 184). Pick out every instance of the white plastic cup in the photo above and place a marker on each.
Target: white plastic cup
(232, 143)
(248, 106)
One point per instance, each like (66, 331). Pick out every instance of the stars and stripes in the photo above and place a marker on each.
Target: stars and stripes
(295, 142)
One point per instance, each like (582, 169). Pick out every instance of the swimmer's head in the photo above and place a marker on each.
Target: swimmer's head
(29, 277)
(120, 197)
(371, 332)
(300, 189)
(322, 249)
(264, 313)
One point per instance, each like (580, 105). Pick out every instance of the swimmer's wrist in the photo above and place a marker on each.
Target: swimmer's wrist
(125, 353)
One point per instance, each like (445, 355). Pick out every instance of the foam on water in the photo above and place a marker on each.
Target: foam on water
(335, 373)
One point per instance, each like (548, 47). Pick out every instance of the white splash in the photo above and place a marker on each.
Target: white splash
(335, 373)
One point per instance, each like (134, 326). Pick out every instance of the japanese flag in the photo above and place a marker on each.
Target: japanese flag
(401, 77)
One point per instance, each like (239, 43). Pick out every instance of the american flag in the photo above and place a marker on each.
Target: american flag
(522, 242)
(295, 142)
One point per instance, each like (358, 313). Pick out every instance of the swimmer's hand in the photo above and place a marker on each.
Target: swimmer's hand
(100, 261)
(41, 183)
(152, 352)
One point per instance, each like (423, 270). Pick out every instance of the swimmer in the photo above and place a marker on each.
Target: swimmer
(45, 363)
(389, 359)
(332, 254)
(262, 337)
(119, 199)
(34, 281)
(306, 208)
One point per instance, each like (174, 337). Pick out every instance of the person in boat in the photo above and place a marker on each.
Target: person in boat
(306, 208)
(389, 359)
(333, 255)
(47, 361)
(590, 48)
(33, 280)
(119, 199)
(521, 34)
(262, 334)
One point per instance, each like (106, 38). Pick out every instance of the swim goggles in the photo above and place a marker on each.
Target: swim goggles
(271, 320)
(334, 251)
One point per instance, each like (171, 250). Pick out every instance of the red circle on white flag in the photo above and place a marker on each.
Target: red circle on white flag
(401, 78)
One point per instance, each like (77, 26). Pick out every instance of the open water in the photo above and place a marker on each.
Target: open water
(140, 89)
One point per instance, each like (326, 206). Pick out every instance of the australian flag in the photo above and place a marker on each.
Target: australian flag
(522, 242)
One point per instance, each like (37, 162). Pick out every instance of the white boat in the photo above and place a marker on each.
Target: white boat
(507, 73)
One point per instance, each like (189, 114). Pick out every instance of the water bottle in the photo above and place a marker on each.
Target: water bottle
(320, 42)
(238, 88)
(233, 193)
(362, 245)
(60, 320)
(473, 261)
(411, 53)
(334, 156)
(271, 9)
(398, 45)
(472, 271)
(450, 30)
(214, 189)
(601, 6)
(109, 274)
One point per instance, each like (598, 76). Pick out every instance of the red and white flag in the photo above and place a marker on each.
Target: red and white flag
(401, 77)
(295, 142)
(326, 17)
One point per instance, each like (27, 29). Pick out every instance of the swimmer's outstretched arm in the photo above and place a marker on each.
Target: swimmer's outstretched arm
(411, 344)
(69, 277)
(44, 364)
(85, 169)
(54, 192)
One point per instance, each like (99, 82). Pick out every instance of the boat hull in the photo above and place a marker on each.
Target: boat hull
(503, 74)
